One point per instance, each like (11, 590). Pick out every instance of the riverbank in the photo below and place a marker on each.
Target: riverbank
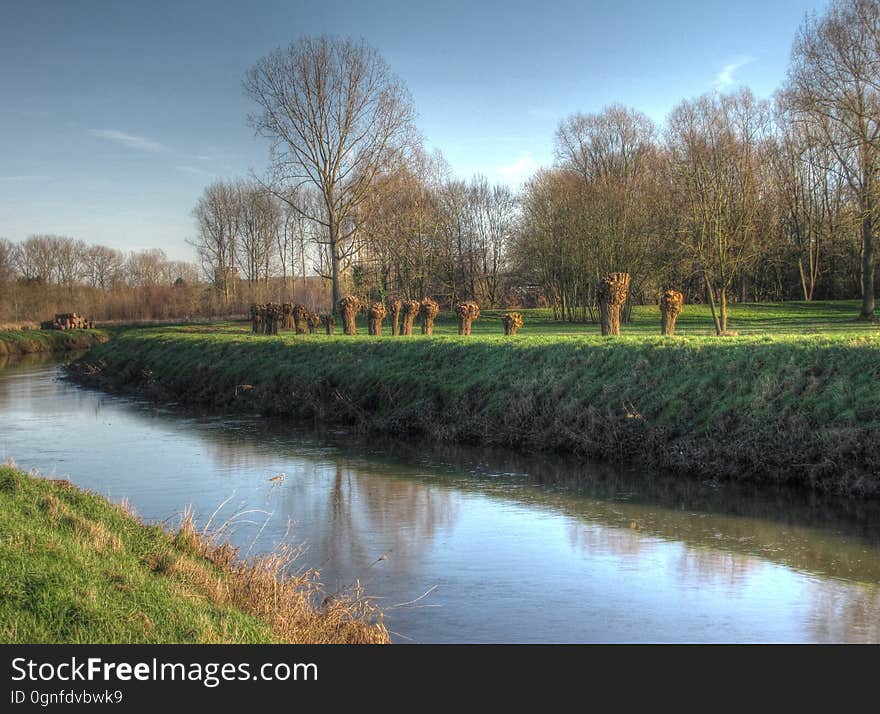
(22, 342)
(794, 410)
(75, 568)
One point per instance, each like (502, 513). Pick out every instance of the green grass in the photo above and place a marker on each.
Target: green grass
(75, 568)
(20, 342)
(793, 399)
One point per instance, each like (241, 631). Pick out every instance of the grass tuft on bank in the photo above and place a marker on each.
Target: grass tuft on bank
(75, 568)
(22, 342)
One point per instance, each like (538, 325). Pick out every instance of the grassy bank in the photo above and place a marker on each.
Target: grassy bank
(22, 342)
(75, 568)
(782, 408)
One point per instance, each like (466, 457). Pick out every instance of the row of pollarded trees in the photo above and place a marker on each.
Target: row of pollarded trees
(404, 313)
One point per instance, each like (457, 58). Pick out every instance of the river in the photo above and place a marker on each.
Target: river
(468, 545)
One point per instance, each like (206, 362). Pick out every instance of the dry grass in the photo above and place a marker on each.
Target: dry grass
(267, 586)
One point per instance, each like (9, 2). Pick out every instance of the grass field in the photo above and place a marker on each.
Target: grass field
(794, 399)
(75, 568)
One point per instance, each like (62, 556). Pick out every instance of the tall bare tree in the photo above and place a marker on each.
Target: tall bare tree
(834, 81)
(715, 147)
(336, 116)
(217, 217)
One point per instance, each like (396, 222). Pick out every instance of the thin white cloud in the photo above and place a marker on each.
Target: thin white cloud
(139, 143)
(516, 172)
(193, 170)
(725, 78)
(24, 177)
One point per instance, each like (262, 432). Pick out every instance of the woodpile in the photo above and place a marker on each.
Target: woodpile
(67, 321)
(671, 305)
(327, 321)
(375, 314)
(512, 321)
(396, 307)
(287, 316)
(349, 307)
(613, 290)
(314, 322)
(428, 310)
(467, 312)
(409, 312)
(300, 318)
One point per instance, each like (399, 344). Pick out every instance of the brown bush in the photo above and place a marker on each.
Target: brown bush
(512, 321)
(328, 322)
(313, 321)
(428, 310)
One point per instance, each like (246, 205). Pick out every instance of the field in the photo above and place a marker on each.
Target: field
(75, 568)
(791, 400)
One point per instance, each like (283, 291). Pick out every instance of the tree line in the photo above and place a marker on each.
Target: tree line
(46, 274)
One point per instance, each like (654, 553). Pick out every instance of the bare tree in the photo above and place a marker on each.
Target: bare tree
(613, 152)
(103, 266)
(336, 116)
(7, 260)
(834, 81)
(217, 217)
(714, 145)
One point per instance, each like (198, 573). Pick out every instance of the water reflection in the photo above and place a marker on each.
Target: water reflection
(518, 548)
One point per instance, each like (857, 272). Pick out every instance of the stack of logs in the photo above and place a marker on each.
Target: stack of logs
(512, 321)
(67, 321)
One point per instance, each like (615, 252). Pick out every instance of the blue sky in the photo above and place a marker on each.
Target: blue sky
(115, 115)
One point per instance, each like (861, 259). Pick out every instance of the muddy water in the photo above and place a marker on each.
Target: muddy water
(464, 545)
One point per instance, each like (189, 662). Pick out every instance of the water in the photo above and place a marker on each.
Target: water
(465, 545)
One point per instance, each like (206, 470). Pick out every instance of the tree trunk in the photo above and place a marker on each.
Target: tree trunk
(670, 308)
(710, 297)
(396, 307)
(723, 308)
(613, 291)
(428, 310)
(410, 310)
(867, 263)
